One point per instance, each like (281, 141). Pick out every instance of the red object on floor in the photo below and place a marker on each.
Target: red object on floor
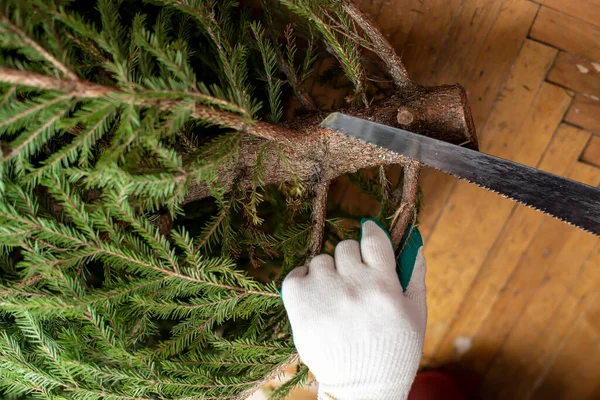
(432, 385)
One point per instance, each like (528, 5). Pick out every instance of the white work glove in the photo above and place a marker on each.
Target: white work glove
(354, 326)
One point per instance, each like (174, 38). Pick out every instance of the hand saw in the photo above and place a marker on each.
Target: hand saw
(570, 201)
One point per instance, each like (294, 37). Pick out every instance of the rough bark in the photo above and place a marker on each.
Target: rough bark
(318, 218)
(407, 211)
(315, 154)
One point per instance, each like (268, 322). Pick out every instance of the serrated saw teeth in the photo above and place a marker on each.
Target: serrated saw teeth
(572, 202)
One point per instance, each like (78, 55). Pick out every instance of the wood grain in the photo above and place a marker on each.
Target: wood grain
(567, 33)
(559, 276)
(533, 265)
(473, 213)
(530, 144)
(591, 153)
(577, 299)
(427, 35)
(396, 21)
(577, 361)
(585, 10)
(465, 39)
(482, 81)
(436, 187)
(576, 73)
(502, 46)
(585, 113)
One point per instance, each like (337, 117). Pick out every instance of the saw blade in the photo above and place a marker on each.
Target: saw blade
(570, 201)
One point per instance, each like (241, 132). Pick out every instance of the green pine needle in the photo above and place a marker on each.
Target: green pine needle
(116, 281)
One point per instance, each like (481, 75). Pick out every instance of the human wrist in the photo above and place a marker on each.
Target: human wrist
(374, 369)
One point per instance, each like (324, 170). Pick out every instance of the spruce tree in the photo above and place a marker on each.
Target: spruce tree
(163, 168)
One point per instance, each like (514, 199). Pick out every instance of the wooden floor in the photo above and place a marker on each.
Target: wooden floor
(513, 295)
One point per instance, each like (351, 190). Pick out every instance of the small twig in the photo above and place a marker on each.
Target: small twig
(43, 52)
(386, 185)
(406, 211)
(84, 89)
(8, 154)
(295, 82)
(335, 25)
(318, 218)
(293, 358)
(88, 46)
(187, 141)
(301, 94)
(31, 281)
(78, 87)
(212, 230)
(382, 47)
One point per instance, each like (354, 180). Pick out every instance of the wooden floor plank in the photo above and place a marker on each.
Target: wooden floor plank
(427, 35)
(567, 33)
(505, 254)
(585, 10)
(493, 64)
(453, 266)
(518, 351)
(465, 39)
(546, 242)
(591, 153)
(579, 297)
(576, 73)
(396, 20)
(585, 113)
(436, 187)
(574, 373)
(491, 67)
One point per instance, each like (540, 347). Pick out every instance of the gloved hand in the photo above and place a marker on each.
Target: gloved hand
(355, 326)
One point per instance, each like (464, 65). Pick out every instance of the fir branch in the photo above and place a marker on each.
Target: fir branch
(82, 143)
(34, 109)
(231, 58)
(291, 360)
(269, 58)
(295, 80)
(73, 307)
(25, 142)
(173, 55)
(118, 204)
(283, 391)
(286, 64)
(185, 335)
(73, 206)
(77, 88)
(345, 51)
(122, 256)
(351, 34)
(9, 93)
(207, 235)
(13, 360)
(34, 45)
(381, 47)
(83, 89)
(202, 98)
(164, 99)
